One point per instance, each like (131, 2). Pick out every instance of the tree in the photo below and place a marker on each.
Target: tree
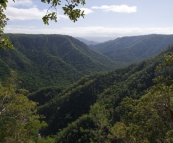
(150, 118)
(101, 117)
(4, 42)
(19, 122)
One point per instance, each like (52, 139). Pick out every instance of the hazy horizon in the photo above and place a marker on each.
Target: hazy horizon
(102, 19)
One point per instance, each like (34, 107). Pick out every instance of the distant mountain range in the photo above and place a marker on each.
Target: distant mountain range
(57, 60)
(47, 60)
(134, 48)
(88, 42)
(99, 39)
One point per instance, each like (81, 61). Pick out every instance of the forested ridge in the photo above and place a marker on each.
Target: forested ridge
(42, 60)
(75, 103)
(132, 49)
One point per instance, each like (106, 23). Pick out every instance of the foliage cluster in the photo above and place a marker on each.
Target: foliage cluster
(150, 118)
(19, 121)
(69, 10)
(4, 41)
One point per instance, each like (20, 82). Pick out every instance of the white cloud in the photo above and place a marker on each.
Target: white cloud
(117, 8)
(27, 14)
(26, 10)
(25, 3)
(24, 14)
(90, 31)
(87, 10)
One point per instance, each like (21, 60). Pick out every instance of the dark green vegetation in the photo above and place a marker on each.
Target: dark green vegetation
(48, 60)
(134, 103)
(134, 48)
(91, 110)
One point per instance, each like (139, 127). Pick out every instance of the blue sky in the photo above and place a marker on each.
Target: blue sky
(107, 19)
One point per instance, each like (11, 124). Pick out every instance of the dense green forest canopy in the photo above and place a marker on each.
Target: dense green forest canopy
(98, 107)
(50, 60)
(85, 103)
(117, 106)
(134, 48)
(58, 60)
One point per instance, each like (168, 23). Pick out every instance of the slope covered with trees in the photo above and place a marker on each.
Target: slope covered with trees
(88, 110)
(134, 48)
(47, 60)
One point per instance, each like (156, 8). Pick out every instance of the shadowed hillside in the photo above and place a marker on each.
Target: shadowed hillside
(107, 89)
